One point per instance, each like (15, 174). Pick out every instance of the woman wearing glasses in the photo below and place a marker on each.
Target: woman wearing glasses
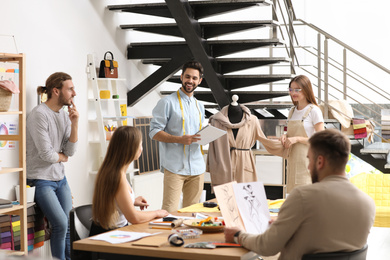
(305, 118)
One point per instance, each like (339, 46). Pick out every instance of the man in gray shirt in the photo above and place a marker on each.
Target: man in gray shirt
(52, 136)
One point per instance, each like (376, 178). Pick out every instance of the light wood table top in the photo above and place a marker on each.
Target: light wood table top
(166, 250)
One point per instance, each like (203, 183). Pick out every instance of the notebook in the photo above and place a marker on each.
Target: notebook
(5, 203)
(209, 133)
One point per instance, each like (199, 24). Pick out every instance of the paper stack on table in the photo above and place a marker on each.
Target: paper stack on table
(116, 237)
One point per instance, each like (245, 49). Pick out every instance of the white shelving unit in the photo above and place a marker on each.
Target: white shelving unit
(20, 113)
(103, 110)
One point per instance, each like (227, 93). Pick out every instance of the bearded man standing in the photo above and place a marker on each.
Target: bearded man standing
(176, 119)
(51, 138)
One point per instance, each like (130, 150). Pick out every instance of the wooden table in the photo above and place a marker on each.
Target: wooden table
(114, 251)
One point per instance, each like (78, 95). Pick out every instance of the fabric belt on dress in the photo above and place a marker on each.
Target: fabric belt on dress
(238, 149)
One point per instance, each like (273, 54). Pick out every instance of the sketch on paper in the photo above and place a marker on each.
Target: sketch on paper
(228, 205)
(253, 207)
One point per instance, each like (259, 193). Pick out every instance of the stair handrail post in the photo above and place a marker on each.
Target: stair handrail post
(326, 77)
(271, 71)
(285, 24)
(289, 5)
(291, 40)
(273, 34)
(345, 73)
(319, 66)
(273, 30)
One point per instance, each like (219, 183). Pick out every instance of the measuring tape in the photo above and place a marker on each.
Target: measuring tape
(175, 240)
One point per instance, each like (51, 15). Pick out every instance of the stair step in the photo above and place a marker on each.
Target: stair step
(238, 81)
(208, 29)
(376, 148)
(274, 112)
(157, 62)
(245, 96)
(271, 108)
(164, 50)
(259, 105)
(377, 160)
(331, 121)
(200, 9)
(374, 151)
(225, 47)
(268, 114)
(228, 65)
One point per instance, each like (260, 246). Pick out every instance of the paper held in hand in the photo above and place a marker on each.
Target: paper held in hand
(244, 205)
(208, 134)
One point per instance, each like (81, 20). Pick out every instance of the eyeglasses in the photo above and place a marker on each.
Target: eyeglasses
(296, 90)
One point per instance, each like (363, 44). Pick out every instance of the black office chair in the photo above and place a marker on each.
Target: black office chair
(80, 219)
(354, 255)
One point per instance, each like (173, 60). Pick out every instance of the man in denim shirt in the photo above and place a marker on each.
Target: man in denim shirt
(176, 119)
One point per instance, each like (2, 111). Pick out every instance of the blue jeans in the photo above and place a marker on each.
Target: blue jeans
(55, 200)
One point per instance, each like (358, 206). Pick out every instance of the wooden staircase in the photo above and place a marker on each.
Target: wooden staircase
(222, 75)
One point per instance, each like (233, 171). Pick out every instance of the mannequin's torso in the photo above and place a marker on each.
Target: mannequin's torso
(235, 116)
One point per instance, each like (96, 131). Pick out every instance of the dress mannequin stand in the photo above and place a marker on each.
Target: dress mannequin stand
(235, 114)
(230, 157)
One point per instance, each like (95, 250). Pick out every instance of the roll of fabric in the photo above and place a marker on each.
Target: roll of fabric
(359, 128)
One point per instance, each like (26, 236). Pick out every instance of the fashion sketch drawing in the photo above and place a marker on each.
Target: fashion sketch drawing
(253, 206)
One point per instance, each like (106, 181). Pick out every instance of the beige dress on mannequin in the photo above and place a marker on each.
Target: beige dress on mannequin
(231, 159)
(297, 163)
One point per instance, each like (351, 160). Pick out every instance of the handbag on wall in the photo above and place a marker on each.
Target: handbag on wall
(108, 67)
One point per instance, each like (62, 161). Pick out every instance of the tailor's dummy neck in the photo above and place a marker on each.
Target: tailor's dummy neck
(235, 113)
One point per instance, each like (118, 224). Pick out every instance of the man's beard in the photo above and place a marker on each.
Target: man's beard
(185, 88)
(63, 102)
(314, 175)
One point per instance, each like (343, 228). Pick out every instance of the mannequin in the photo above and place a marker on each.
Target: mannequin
(235, 114)
(230, 157)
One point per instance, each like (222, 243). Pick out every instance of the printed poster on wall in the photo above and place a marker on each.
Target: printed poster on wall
(8, 128)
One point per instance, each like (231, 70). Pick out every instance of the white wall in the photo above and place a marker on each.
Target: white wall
(363, 25)
(58, 35)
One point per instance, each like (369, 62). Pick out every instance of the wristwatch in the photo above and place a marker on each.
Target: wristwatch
(235, 237)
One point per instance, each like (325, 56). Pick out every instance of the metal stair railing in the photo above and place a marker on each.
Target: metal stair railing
(352, 74)
(354, 109)
(329, 85)
(347, 89)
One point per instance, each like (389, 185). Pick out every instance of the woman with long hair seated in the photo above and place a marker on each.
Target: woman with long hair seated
(114, 201)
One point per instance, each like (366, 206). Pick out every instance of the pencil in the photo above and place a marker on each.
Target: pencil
(167, 228)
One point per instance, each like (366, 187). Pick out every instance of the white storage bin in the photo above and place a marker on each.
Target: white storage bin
(30, 193)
